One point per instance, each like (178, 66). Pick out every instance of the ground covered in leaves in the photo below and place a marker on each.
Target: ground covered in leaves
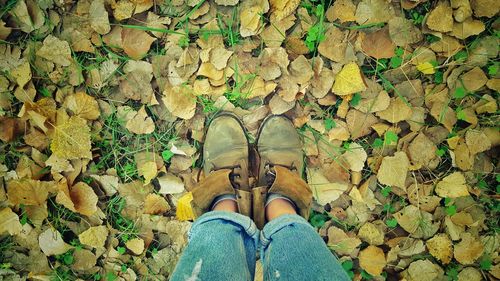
(103, 104)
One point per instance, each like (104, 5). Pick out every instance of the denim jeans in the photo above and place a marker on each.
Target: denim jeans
(223, 245)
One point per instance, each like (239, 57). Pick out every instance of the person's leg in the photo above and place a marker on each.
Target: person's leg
(292, 250)
(222, 246)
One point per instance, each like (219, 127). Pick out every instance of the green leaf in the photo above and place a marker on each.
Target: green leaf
(386, 191)
(391, 222)
(347, 265)
(451, 210)
(399, 51)
(318, 220)
(452, 273)
(396, 62)
(121, 250)
(124, 268)
(68, 258)
(377, 143)
(493, 69)
(167, 155)
(366, 275)
(97, 276)
(438, 77)
(497, 177)
(390, 137)
(460, 114)
(441, 151)
(486, 263)
(461, 56)
(388, 208)
(110, 276)
(459, 93)
(329, 124)
(355, 99)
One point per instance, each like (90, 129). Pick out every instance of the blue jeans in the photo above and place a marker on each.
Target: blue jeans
(223, 245)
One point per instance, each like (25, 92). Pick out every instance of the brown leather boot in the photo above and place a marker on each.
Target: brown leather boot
(280, 167)
(225, 165)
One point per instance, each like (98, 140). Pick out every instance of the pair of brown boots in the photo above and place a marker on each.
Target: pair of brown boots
(227, 165)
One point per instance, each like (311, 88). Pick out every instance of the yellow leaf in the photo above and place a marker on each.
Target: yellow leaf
(95, 236)
(184, 209)
(83, 106)
(72, 139)
(10, 222)
(80, 198)
(349, 80)
(29, 192)
(148, 170)
(372, 260)
(426, 68)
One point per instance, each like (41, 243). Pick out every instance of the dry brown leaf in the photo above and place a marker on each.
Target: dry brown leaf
(250, 22)
(136, 42)
(374, 11)
(444, 115)
(80, 198)
(349, 80)
(71, 139)
(82, 105)
(372, 260)
(155, 205)
(423, 270)
(30, 192)
(474, 79)
(281, 9)
(420, 195)
(341, 243)
(301, 70)
(469, 274)
(359, 123)
(123, 9)
(98, 17)
(9, 222)
(441, 248)
(55, 50)
(141, 123)
(416, 222)
(422, 152)
(372, 234)
(324, 191)
(447, 46)
(343, 10)
(397, 111)
(135, 245)
(333, 46)
(477, 141)
(403, 32)
(393, 170)
(468, 250)
(355, 156)
(279, 106)
(180, 101)
(467, 28)
(452, 186)
(95, 236)
(378, 44)
(485, 8)
(462, 157)
(51, 243)
(441, 18)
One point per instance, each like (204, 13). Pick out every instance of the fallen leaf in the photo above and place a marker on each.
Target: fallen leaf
(426, 68)
(474, 79)
(467, 28)
(452, 186)
(55, 50)
(441, 18)
(51, 243)
(371, 234)
(136, 245)
(397, 111)
(422, 152)
(29, 192)
(79, 198)
(180, 101)
(10, 222)
(444, 115)
(374, 11)
(98, 17)
(82, 105)
(94, 237)
(359, 123)
(468, 250)
(71, 139)
(423, 270)
(136, 42)
(485, 8)
(279, 106)
(372, 260)
(155, 205)
(441, 248)
(349, 80)
(477, 141)
(323, 190)
(83, 260)
(403, 32)
(393, 170)
(416, 222)
(355, 156)
(343, 10)
(378, 44)
(341, 243)
(470, 274)
(141, 123)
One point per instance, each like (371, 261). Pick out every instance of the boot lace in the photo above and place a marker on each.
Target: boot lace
(270, 172)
